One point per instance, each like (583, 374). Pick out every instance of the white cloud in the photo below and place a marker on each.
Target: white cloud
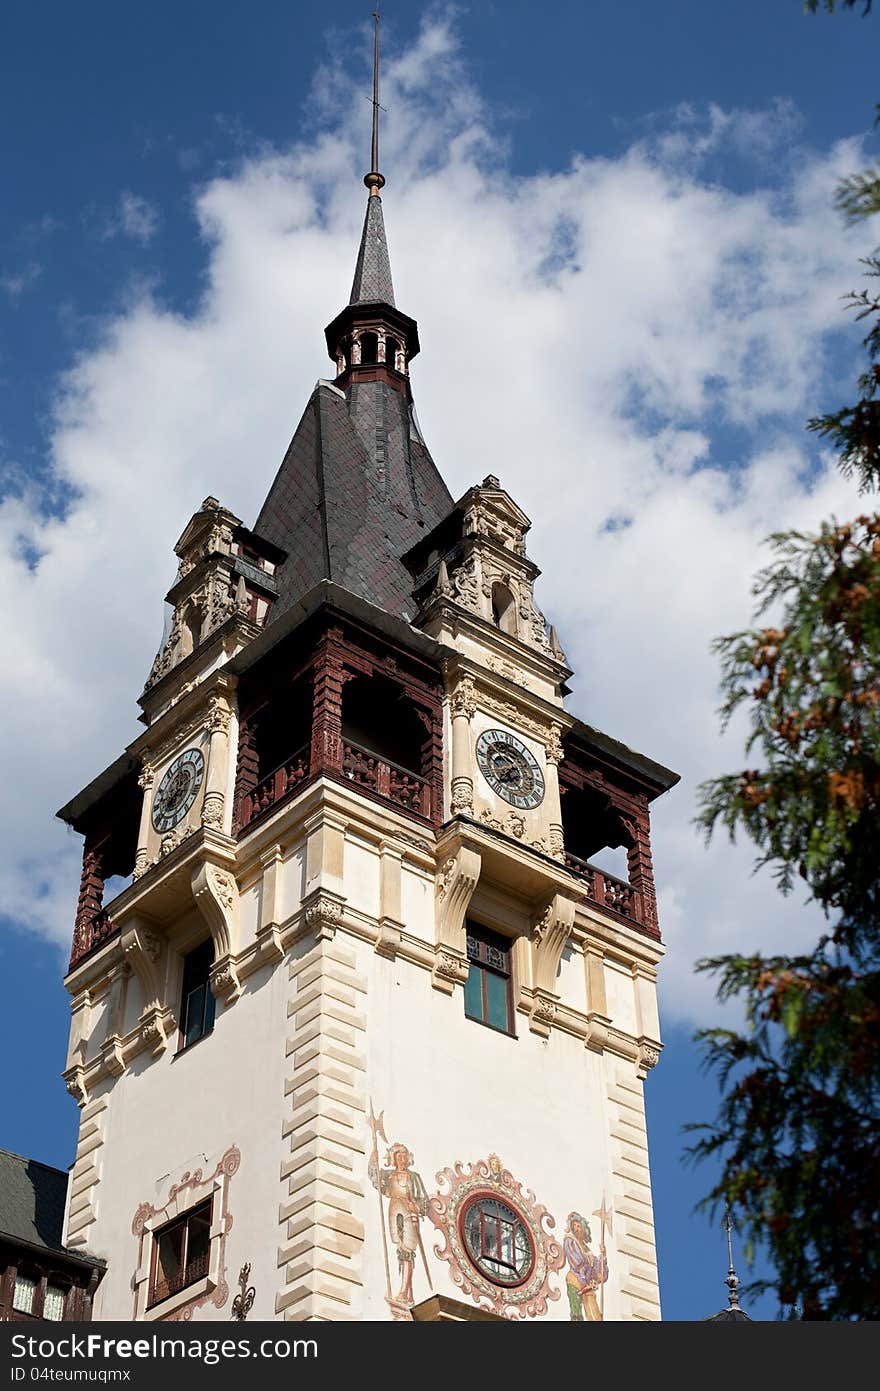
(619, 340)
(133, 217)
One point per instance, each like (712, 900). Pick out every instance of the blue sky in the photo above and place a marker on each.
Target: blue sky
(614, 225)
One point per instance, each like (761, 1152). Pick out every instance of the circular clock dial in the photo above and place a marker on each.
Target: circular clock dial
(177, 790)
(509, 768)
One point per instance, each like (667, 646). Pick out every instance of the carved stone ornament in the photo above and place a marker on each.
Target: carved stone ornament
(146, 777)
(224, 886)
(417, 842)
(460, 1187)
(463, 698)
(544, 1010)
(648, 1056)
(445, 879)
(466, 584)
(462, 795)
(219, 715)
(212, 809)
(323, 913)
(449, 966)
(151, 943)
(553, 746)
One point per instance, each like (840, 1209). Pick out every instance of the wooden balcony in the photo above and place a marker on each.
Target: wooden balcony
(282, 782)
(606, 891)
(386, 780)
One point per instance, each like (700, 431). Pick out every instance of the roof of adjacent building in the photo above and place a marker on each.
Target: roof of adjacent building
(32, 1198)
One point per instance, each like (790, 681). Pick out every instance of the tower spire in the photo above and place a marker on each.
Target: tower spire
(374, 180)
(731, 1282)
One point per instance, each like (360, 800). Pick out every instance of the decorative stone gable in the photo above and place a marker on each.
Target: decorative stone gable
(487, 572)
(223, 571)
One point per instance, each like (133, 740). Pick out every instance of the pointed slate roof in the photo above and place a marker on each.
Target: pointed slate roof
(372, 274)
(356, 489)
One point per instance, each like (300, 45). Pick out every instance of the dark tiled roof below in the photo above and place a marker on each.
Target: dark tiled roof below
(32, 1197)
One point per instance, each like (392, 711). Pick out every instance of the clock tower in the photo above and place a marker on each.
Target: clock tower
(360, 1022)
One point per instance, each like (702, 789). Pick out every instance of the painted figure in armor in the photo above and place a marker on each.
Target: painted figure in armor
(407, 1204)
(586, 1271)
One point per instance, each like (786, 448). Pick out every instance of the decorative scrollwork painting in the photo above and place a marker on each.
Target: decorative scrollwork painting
(497, 1239)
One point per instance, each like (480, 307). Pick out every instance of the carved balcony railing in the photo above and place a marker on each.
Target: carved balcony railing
(275, 786)
(606, 891)
(194, 1270)
(388, 780)
(89, 933)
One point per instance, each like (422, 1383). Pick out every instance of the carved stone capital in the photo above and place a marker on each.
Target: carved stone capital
(219, 715)
(464, 701)
(74, 1080)
(462, 795)
(146, 777)
(543, 1013)
(553, 746)
(224, 980)
(649, 1056)
(322, 913)
(212, 809)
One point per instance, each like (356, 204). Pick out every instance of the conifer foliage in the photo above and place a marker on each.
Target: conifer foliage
(798, 1126)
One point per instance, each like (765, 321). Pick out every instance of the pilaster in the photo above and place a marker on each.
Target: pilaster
(321, 1216)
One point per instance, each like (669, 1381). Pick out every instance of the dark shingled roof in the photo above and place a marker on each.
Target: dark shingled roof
(356, 489)
(32, 1197)
(372, 274)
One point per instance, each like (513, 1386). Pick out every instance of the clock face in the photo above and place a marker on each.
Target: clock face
(177, 790)
(509, 768)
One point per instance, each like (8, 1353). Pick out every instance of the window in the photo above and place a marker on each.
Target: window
(503, 609)
(53, 1304)
(23, 1294)
(181, 1253)
(197, 1003)
(487, 991)
(497, 1240)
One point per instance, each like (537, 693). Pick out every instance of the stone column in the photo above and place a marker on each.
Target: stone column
(217, 775)
(462, 707)
(146, 778)
(554, 755)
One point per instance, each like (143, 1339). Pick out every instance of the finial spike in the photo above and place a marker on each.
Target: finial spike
(374, 180)
(731, 1282)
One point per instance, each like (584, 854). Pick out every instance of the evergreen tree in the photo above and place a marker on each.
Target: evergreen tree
(798, 1128)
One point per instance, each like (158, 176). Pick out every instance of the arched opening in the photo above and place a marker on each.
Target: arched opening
(503, 608)
(379, 718)
(369, 347)
(591, 827)
(191, 630)
(283, 729)
(392, 349)
(384, 742)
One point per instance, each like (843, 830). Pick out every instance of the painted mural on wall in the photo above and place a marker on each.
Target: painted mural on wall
(496, 1238)
(587, 1272)
(399, 1186)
